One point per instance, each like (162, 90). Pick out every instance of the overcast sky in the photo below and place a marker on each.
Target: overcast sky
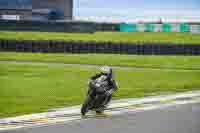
(130, 10)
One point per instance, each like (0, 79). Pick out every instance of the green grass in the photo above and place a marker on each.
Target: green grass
(171, 62)
(178, 38)
(36, 88)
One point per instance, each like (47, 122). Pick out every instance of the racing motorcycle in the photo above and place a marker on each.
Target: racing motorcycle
(96, 97)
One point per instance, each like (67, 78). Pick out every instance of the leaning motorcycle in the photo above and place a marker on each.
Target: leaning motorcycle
(95, 99)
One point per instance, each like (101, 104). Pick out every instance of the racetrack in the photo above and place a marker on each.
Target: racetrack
(96, 66)
(174, 119)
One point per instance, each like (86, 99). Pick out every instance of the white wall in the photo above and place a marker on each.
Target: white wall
(10, 17)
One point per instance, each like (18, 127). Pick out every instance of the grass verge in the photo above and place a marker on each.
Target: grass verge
(30, 88)
(171, 62)
(134, 37)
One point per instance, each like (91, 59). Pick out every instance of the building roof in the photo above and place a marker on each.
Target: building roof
(16, 4)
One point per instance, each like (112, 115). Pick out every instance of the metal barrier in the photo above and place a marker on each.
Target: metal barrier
(71, 26)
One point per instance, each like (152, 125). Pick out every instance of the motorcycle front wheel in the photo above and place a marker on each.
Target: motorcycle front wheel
(86, 106)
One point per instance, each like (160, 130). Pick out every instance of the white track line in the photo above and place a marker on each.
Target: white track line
(97, 66)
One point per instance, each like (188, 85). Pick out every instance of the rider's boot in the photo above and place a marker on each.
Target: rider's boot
(100, 110)
(107, 101)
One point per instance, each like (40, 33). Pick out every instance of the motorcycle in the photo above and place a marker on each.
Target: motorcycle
(96, 98)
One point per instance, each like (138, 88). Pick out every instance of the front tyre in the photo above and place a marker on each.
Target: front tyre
(85, 107)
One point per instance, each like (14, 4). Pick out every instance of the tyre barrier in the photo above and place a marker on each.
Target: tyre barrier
(98, 47)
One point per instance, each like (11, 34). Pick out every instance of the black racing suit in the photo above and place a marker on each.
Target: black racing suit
(110, 87)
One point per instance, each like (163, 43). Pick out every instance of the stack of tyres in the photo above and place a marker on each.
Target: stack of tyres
(149, 28)
(128, 27)
(184, 27)
(166, 27)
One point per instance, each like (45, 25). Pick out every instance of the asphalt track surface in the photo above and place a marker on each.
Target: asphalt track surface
(174, 119)
(97, 66)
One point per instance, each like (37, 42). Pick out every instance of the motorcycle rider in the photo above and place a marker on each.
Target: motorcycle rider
(106, 76)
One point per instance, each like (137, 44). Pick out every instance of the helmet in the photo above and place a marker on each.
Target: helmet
(106, 70)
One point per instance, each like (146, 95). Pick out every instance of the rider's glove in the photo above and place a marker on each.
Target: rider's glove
(97, 85)
(109, 92)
